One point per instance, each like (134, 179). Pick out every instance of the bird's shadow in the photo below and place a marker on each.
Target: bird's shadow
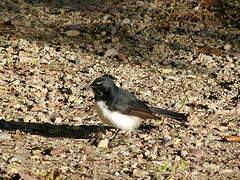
(64, 130)
(52, 130)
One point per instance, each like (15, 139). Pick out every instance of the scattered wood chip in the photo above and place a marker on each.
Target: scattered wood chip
(4, 135)
(57, 151)
(227, 47)
(88, 149)
(103, 144)
(19, 133)
(122, 57)
(216, 51)
(208, 3)
(231, 138)
(28, 176)
(209, 50)
(137, 172)
(203, 49)
(111, 52)
(72, 33)
(54, 174)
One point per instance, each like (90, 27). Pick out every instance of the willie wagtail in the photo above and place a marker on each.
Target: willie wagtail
(121, 109)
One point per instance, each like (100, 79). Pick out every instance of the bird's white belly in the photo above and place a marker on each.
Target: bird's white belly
(116, 119)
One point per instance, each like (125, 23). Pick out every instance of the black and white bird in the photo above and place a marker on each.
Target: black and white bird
(120, 109)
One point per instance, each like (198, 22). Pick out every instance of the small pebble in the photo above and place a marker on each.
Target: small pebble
(103, 144)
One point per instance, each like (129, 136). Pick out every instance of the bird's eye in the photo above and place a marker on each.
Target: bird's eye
(99, 83)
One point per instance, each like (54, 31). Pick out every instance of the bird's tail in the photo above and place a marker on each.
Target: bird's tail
(174, 115)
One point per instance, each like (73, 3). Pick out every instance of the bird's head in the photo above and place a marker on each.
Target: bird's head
(103, 86)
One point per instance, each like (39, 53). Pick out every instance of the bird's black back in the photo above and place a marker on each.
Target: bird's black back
(127, 103)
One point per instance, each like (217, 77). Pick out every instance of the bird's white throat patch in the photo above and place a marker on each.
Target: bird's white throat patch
(116, 119)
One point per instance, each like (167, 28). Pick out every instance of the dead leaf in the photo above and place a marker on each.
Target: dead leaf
(216, 51)
(28, 176)
(57, 151)
(208, 50)
(208, 3)
(231, 138)
(203, 49)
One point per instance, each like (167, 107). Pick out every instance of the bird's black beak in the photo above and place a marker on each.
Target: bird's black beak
(92, 86)
(95, 85)
(87, 88)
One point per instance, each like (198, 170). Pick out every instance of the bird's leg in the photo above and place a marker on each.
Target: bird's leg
(114, 136)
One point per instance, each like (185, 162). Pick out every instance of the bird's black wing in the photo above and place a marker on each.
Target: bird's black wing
(128, 104)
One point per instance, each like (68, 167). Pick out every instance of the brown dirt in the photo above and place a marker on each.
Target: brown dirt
(172, 54)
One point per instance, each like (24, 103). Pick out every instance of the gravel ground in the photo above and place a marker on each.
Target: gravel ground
(171, 54)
